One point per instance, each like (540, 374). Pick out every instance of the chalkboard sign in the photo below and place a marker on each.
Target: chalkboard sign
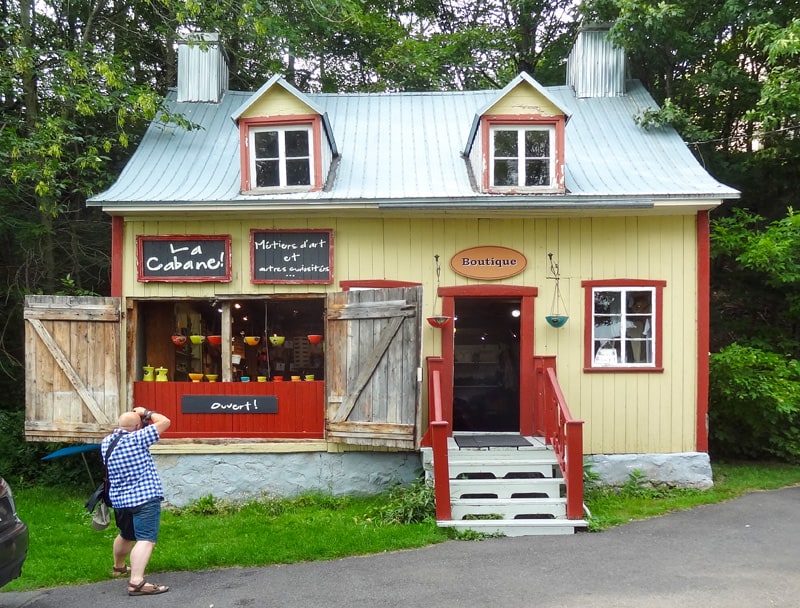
(184, 258)
(291, 256)
(229, 404)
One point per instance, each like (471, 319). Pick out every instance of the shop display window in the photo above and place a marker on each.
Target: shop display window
(268, 338)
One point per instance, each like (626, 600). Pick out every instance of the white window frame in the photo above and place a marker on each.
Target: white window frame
(282, 158)
(643, 322)
(521, 130)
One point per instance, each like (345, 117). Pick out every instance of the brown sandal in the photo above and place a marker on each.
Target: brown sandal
(145, 588)
(120, 572)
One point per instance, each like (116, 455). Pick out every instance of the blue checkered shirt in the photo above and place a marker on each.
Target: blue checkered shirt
(131, 469)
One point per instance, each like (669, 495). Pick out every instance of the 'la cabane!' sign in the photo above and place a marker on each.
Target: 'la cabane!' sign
(488, 262)
(184, 258)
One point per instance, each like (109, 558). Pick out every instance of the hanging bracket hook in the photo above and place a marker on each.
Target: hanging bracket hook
(553, 268)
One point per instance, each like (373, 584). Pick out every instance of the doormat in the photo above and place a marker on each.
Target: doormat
(491, 441)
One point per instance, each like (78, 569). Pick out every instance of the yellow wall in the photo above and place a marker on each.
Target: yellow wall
(524, 99)
(623, 412)
(277, 102)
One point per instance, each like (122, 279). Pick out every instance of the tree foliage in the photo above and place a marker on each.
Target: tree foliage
(754, 409)
(758, 302)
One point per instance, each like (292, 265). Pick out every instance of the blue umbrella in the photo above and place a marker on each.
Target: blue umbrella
(76, 449)
(73, 449)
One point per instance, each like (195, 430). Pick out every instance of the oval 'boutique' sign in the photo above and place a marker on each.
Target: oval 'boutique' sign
(488, 262)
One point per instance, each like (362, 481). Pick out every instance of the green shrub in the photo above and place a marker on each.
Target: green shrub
(21, 461)
(754, 404)
(407, 505)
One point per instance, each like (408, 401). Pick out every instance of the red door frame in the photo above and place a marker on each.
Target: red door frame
(526, 296)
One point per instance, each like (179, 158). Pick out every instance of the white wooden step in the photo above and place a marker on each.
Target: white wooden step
(501, 468)
(517, 527)
(506, 488)
(532, 452)
(535, 443)
(514, 508)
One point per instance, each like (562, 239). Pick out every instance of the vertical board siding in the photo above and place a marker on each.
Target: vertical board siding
(623, 412)
(373, 352)
(300, 409)
(72, 354)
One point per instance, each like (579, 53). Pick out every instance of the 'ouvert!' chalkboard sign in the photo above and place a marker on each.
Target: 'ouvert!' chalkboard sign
(184, 258)
(291, 256)
(229, 404)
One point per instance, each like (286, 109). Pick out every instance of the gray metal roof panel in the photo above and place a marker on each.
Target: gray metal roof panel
(397, 146)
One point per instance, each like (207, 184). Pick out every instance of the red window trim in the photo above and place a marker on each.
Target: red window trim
(312, 120)
(658, 366)
(518, 120)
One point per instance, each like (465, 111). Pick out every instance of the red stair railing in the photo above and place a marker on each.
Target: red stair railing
(561, 431)
(556, 423)
(440, 431)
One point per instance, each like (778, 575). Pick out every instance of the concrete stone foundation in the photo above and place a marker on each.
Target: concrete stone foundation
(680, 470)
(238, 477)
(189, 477)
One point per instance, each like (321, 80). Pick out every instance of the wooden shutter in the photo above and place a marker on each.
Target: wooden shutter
(373, 372)
(71, 367)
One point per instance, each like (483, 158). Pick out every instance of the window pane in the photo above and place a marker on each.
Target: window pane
(639, 330)
(607, 328)
(296, 143)
(606, 353)
(505, 143)
(537, 144)
(640, 302)
(298, 172)
(537, 173)
(607, 302)
(267, 173)
(607, 320)
(266, 144)
(505, 173)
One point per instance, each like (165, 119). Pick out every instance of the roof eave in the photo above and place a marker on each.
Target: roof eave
(516, 202)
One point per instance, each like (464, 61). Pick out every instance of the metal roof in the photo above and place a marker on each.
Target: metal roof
(404, 150)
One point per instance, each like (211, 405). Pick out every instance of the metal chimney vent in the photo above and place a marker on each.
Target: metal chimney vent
(202, 69)
(595, 67)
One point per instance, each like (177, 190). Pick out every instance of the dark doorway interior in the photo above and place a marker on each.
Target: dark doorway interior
(486, 365)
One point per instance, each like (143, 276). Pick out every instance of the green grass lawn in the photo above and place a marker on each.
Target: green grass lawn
(65, 550)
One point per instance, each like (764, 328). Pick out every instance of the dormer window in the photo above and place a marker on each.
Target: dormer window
(522, 156)
(520, 137)
(281, 156)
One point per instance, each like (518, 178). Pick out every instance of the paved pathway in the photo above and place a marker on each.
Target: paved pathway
(744, 553)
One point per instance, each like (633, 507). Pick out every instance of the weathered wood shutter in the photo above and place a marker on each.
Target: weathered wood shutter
(71, 367)
(373, 367)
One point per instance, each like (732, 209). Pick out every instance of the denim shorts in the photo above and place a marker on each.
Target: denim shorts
(140, 522)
